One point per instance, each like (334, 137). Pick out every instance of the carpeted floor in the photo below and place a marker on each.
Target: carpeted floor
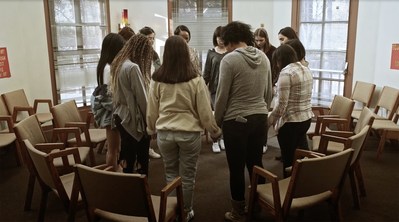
(211, 198)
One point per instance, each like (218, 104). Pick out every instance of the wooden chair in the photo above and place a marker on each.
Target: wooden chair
(280, 197)
(362, 94)
(366, 118)
(389, 101)
(127, 197)
(7, 135)
(18, 106)
(65, 186)
(30, 129)
(341, 109)
(386, 130)
(67, 114)
(356, 142)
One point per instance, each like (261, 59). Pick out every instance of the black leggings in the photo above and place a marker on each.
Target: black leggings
(132, 150)
(292, 135)
(244, 145)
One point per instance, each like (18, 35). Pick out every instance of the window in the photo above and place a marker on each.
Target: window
(324, 29)
(77, 29)
(201, 17)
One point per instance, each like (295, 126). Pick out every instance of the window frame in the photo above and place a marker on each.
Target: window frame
(50, 46)
(351, 39)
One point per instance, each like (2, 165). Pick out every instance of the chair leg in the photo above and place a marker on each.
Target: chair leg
(29, 192)
(101, 147)
(355, 195)
(360, 181)
(43, 204)
(18, 155)
(381, 144)
(92, 156)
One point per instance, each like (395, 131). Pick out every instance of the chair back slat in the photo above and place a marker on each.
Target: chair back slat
(363, 92)
(342, 106)
(389, 100)
(16, 98)
(328, 171)
(29, 128)
(132, 197)
(65, 112)
(366, 118)
(41, 164)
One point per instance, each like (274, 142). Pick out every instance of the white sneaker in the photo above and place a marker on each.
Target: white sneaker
(215, 147)
(221, 144)
(153, 154)
(264, 148)
(190, 216)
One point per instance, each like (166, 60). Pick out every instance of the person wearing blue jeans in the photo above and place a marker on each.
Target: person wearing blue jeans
(178, 110)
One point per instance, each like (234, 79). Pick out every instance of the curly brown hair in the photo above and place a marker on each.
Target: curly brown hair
(139, 50)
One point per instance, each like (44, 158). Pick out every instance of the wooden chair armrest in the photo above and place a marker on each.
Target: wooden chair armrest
(345, 134)
(81, 125)
(36, 103)
(318, 109)
(8, 120)
(48, 147)
(64, 153)
(104, 167)
(319, 123)
(325, 139)
(61, 134)
(176, 184)
(18, 109)
(84, 127)
(299, 154)
(258, 171)
(327, 121)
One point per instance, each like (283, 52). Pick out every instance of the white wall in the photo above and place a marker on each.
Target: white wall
(24, 35)
(273, 14)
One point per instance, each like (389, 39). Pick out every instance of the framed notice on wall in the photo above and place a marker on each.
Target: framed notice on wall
(4, 66)
(395, 56)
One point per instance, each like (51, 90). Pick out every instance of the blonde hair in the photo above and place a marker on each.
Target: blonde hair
(139, 50)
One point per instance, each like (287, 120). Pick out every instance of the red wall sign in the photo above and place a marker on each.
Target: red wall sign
(395, 56)
(4, 66)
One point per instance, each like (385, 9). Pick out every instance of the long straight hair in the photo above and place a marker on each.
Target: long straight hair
(110, 47)
(177, 66)
(139, 50)
(283, 56)
(261, 32)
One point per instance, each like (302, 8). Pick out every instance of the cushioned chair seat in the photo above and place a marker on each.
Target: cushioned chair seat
(44, 117)
(83, 153)
(96, 136)
(266, 194)
(170, 211)
(7, 139)
(384, 124)
(333, 147)
(356, 113)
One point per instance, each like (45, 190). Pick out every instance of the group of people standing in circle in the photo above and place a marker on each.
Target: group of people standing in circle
(174, 101)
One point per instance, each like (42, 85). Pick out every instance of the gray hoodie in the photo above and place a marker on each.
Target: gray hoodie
(245, 84)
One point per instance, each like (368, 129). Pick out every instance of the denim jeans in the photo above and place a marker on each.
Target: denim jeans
(244, 147)
(180, 152)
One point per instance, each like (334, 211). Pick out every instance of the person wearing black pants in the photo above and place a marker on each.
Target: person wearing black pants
(292, 113)
(244, 147)
(292, 135)
(242, 103)
(132, 150)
